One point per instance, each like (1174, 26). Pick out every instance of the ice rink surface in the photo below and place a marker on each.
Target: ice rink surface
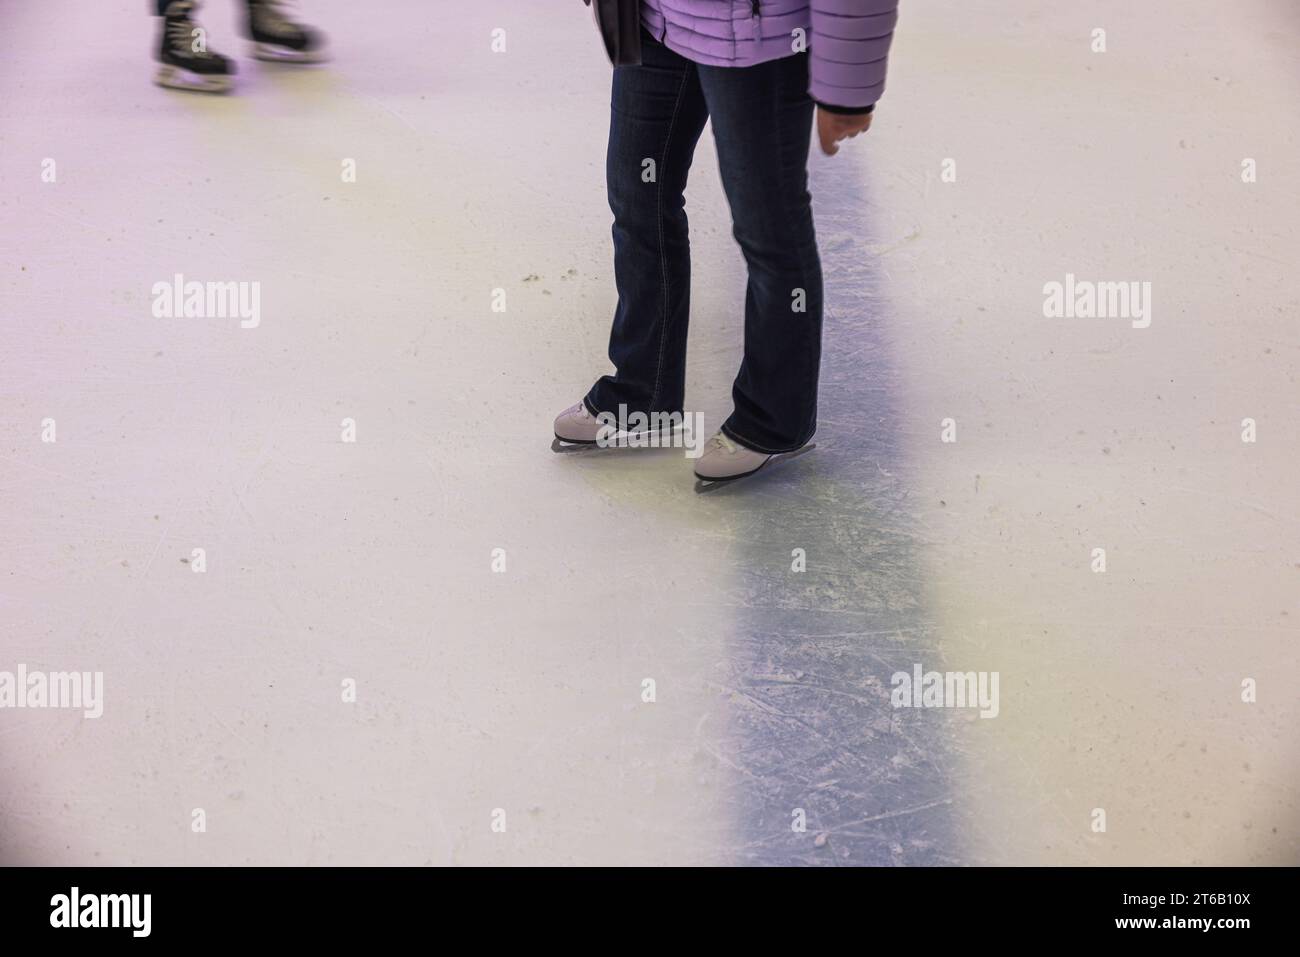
(519, 695)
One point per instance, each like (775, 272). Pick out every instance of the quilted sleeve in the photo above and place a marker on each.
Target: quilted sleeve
(849, 49)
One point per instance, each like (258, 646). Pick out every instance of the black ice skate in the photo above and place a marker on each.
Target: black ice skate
(185, 62)
(279, 39)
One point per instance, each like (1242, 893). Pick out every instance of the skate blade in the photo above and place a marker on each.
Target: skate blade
(619, 444)
(175, 78)
(269, 53)
(703, 485)
(565, 447)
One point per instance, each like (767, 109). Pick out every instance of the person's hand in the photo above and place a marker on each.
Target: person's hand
(833, 127)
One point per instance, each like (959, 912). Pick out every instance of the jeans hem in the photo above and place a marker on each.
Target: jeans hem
(591, 407)
(755, 447)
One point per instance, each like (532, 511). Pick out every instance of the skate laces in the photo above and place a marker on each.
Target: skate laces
(181, 29)
(721, 443)
(273, 17)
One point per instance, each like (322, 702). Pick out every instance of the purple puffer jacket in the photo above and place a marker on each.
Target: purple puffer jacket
(847, 40)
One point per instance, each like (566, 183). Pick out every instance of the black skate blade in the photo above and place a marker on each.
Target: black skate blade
(565, 447)
(712, 485)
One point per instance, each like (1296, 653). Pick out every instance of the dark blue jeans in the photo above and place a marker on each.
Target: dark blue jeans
(762, 120)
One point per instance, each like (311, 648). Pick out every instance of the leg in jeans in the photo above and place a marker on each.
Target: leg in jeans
(762, 120)
(657, 113)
